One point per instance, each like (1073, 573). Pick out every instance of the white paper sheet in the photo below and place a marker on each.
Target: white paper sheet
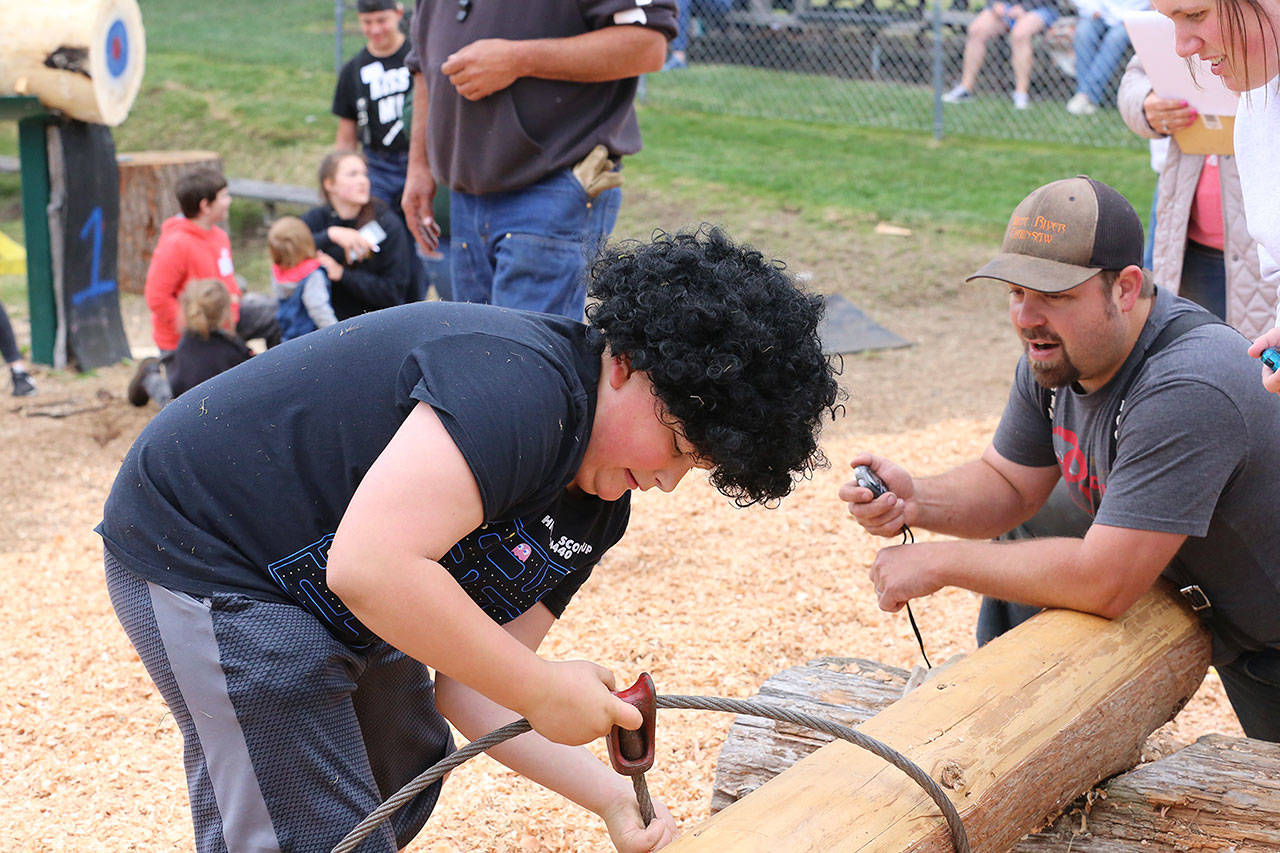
(1153, 40)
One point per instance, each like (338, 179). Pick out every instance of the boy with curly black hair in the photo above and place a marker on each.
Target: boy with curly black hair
(291, 549)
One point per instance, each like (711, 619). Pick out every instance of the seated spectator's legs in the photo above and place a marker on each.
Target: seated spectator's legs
(1204, 278)
(1020, 48)
(1099, 49)
(710, 14)
(529, 248)
(982, 29)
(1252, 682)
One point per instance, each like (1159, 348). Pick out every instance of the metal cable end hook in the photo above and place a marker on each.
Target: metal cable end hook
(631, 752)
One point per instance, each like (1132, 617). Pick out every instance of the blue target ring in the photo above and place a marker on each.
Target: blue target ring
(117, 48)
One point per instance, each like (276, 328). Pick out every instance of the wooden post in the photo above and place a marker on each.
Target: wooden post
(147, 181)
(84, 58)
(1015, 732)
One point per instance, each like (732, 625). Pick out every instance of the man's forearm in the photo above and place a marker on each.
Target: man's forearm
(611, 53)
(973, 501)
(570, 771)
(418, 127)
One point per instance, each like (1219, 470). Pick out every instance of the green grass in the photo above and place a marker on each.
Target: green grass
(766, 93)
(961, 183)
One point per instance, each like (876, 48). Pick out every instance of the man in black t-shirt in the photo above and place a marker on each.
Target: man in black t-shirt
(370, 98)
(291, 549)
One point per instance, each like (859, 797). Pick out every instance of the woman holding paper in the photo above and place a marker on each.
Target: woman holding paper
(1240, 39)
(1203, 250)
(376, 267)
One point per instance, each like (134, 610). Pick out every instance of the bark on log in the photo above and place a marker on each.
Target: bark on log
(847, 690)
(1220, 793)
(1016, 731)
(147, 181)
(82, 57)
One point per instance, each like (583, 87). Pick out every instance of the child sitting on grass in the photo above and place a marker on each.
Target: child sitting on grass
(207, 347)
(299, 278)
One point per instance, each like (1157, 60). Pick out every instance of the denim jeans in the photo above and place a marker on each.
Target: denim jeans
(386, 177)
(439, 270)
(529, 248)
(1204, 278)
(1099, 49)
(710, 12)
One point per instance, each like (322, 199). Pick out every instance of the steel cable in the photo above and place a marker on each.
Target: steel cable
(751, 708)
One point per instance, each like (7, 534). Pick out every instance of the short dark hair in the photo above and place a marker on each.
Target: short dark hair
(731, 346)
(1107, 279)
(198, 185)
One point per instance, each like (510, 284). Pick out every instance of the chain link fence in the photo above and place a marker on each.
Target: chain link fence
(891, 63)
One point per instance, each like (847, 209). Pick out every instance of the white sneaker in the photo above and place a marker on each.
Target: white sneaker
(1080, 105)
(1021, 100)
(958, 95)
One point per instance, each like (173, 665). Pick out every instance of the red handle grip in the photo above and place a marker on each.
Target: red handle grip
(631, 752)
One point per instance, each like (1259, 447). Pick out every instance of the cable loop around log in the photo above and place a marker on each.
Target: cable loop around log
(959, 838)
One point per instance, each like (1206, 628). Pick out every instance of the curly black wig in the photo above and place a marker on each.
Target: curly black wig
(730, 344)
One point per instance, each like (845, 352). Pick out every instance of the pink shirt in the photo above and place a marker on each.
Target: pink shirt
(1205, 226)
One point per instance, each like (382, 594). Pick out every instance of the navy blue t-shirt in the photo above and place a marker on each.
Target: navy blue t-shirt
(241, 486)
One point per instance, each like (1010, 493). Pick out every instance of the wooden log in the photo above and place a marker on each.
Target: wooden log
(147, 182)
(847, 690)
(82, 57)
(1015, 732)
(1220, 793)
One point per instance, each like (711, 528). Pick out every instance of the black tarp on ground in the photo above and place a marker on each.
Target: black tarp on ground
(846, 329)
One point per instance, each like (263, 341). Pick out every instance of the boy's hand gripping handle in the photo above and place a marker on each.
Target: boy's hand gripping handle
(631, 752)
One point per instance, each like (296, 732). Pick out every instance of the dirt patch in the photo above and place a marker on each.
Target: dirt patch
(709, 598)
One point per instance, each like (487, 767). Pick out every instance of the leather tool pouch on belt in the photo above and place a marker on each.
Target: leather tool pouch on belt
(597, 173)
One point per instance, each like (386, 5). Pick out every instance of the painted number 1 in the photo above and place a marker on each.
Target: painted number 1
(96, 287)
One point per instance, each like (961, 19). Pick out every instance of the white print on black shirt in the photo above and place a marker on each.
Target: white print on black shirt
(387, 89)
(564, 546)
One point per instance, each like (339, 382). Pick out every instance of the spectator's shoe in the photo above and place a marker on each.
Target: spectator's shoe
(958, 95)
(1080, 105)
(23, 384)
(1021, 100)
(137, 392)
(675, 63)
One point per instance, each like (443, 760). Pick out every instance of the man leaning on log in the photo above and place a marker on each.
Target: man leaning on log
(1133, 411)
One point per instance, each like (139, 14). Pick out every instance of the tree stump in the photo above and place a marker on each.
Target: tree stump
(147, 181)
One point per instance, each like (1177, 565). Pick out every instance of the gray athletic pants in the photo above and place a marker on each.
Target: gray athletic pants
(291, 737)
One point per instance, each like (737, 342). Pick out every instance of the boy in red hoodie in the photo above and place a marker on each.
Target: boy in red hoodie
(192, 246)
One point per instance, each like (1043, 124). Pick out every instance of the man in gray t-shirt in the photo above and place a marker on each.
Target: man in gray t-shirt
(1149, 411)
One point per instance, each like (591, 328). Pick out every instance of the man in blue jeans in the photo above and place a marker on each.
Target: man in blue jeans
(504, 108)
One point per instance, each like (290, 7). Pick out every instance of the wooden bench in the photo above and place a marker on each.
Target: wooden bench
(889, 39)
